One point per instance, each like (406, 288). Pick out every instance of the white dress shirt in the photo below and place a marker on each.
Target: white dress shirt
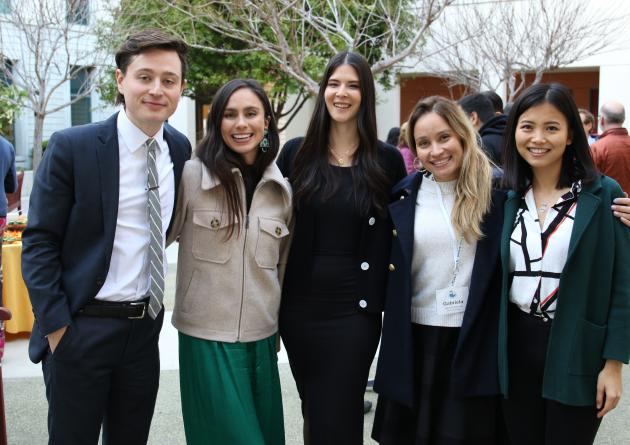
(128, 275)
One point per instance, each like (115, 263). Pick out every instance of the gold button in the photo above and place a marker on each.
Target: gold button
(395, 232)
(278, 231)
(214, 223)
(392, 268)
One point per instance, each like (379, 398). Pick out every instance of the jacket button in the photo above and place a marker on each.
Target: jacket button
(395, 232)
(214, 223)
(362, 304)
(402, 197)
(278, 231)
(365, 265)
(100, 282)
(392, 268)
(371, 221)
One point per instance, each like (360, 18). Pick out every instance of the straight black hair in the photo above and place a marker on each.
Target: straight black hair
(220, 159)
(480, 104)
(496, 100)
(577, 163)
(313, 175)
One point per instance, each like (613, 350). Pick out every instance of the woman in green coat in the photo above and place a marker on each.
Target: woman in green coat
(564, 327)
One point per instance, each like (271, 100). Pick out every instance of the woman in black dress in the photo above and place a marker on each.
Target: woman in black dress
(330, 318)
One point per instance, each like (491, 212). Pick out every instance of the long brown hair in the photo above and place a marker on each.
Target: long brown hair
(312, 174)
(220, 159)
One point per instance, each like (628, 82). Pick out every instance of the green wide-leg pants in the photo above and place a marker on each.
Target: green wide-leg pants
(230, 392)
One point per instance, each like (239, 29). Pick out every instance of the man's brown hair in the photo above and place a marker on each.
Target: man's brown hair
(147, 40)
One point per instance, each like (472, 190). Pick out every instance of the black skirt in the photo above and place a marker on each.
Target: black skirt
(330, 348)
(438, 416)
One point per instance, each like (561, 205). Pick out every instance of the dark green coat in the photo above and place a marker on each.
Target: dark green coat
(592, 319)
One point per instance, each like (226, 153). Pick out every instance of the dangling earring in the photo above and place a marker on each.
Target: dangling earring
(264, 144)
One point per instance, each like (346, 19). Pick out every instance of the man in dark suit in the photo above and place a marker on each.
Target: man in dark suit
(93, 251)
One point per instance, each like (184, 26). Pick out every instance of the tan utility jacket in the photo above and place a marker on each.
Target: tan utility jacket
(229, 289)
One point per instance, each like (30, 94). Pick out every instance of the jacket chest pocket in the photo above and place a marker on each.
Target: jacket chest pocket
(271, 231)
(210, 229)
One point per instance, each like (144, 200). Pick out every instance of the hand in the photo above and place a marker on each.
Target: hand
(608, 387)
(621, 209)
(55, 337)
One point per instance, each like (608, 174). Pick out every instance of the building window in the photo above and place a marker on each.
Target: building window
(78, 11)
(5, 6)
(81, 110)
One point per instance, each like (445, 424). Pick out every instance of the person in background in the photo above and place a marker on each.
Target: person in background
(411, 162)
(393, 136)
(8, 184)
(232, 219)
(611, 152)
(330, 318)
(93, 251)
(489, 125)
(588, 123)
(497, 102)
(564, 323)
(437, 365)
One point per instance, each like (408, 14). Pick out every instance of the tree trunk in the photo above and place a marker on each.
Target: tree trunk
(38, 136)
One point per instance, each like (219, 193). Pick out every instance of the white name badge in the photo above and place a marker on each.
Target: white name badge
(451, 300)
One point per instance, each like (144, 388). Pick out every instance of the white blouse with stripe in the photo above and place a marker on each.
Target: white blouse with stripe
(538, 256)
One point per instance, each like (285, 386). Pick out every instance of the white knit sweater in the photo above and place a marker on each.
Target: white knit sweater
(432, 264)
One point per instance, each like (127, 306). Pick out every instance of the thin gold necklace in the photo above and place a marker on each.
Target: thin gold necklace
(341, 159)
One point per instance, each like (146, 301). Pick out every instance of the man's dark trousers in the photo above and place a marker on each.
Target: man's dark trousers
(103, 370)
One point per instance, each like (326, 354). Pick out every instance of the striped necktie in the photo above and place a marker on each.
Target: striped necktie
(156, 251)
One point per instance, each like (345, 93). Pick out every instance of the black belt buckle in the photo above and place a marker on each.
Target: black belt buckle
(144, 310)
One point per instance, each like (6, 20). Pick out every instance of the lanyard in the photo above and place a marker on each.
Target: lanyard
(456, 244)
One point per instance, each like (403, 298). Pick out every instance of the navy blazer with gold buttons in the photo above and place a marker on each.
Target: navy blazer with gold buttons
(474, 370)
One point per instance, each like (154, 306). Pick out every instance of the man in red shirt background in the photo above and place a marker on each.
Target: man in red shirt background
(611, 152)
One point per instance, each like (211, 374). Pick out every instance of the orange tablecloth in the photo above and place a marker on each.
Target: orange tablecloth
(14, 293)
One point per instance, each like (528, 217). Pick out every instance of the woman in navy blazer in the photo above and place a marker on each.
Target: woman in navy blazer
(460, 403)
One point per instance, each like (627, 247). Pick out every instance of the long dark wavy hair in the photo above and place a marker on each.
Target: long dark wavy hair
(577, 163)
(215, 154)
(312, 174)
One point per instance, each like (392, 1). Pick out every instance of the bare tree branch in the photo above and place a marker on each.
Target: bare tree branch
(47, 50)
(295, 32)
(506, 40)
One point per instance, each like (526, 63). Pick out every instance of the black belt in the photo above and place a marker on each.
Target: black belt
(133, 310)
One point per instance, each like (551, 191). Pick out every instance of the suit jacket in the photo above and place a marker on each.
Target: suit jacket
(474, 370)
(67, 244)
(592, 318)
(375, 238)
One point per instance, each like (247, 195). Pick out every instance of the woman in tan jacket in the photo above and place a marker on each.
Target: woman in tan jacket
(232, 219)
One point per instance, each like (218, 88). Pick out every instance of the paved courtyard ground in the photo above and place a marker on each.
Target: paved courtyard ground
(26, 407)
